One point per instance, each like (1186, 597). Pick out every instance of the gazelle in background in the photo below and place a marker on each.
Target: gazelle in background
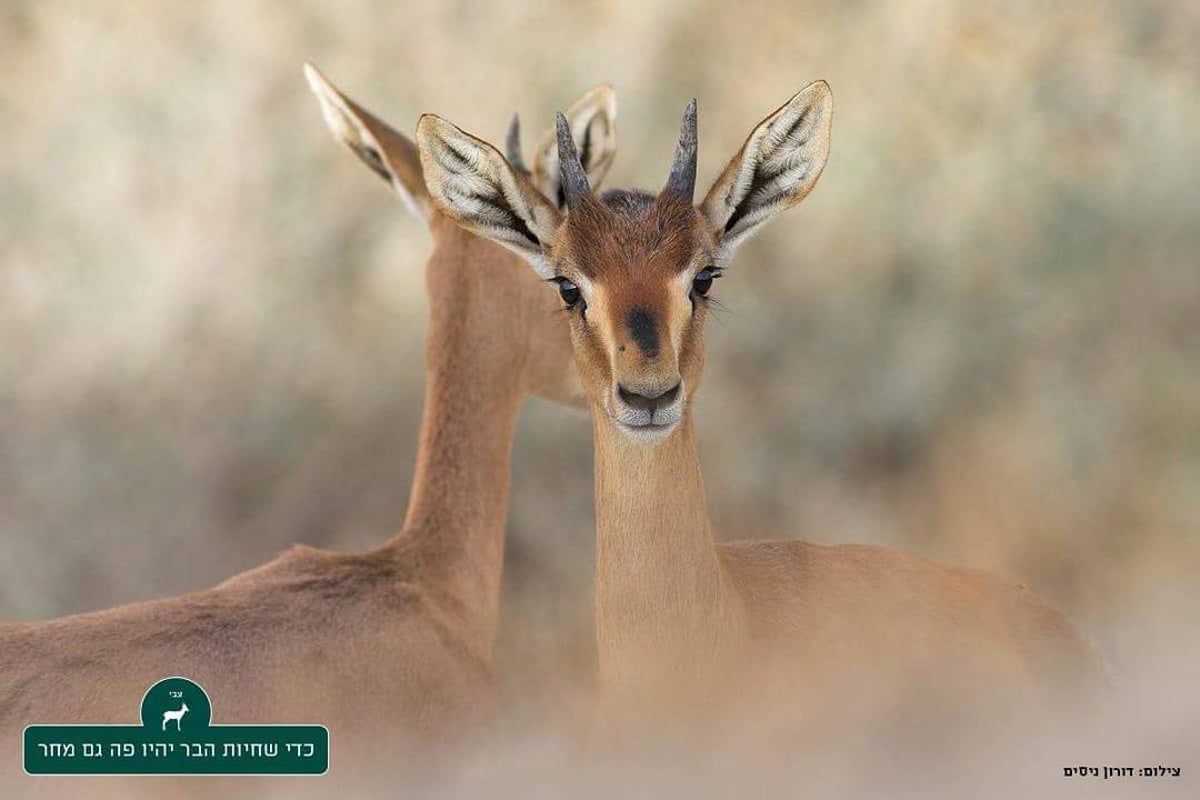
(390, 647)
(687, 626)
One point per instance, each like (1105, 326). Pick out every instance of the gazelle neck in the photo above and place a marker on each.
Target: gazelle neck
(454, 527)
(660, 591)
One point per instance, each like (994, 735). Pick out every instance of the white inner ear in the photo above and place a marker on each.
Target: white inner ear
(592, 120)
(783, 159)
(779, 166)
(346, 127)
(337, 116)
(484, 194)
(601, 139)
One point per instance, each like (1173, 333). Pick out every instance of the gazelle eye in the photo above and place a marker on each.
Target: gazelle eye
(568, 291)
(703, 281)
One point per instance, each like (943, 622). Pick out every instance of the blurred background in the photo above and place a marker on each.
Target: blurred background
(978, 339)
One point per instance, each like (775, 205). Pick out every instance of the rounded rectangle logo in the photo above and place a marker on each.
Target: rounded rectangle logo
(177, 737)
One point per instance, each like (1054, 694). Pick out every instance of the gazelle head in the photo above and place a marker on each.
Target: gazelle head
(634, 270)
(473, 286)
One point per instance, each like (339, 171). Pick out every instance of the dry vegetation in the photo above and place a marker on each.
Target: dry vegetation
(979, 339)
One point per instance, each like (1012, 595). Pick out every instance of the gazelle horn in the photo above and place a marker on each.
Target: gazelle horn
(683, 172)
(574, 180)
(512, 146)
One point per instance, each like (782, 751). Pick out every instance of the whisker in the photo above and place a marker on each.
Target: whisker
(718, 308)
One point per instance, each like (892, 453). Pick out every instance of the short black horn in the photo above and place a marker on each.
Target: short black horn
(574, 180)
(683, 172)
(512, 146)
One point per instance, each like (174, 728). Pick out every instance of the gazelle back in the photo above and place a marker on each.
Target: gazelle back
(688, 627)
(391, 647)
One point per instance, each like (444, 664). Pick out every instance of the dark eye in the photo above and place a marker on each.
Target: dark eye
(704, 281)
(569, 292)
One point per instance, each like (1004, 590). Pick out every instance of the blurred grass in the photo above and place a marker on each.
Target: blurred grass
(977, 339)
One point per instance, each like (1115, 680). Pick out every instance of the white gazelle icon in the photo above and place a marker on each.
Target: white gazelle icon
(175, 715)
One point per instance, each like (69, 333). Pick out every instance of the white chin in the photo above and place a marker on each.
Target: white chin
(646, 434)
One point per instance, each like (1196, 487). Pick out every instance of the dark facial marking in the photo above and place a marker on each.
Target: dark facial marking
(644, 331)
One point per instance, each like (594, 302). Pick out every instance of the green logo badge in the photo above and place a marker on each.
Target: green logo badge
(176, 737)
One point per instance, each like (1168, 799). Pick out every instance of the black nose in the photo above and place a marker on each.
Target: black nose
(648, 399)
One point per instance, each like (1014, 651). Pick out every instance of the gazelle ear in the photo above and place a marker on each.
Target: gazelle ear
(593, 122)
(776, 168)
(475, 186)
(389, 154)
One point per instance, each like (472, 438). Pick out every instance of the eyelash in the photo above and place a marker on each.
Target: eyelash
(561, 281)
(715, 273)
(566, 286)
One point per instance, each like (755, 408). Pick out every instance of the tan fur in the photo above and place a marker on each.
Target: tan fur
(390, 648)
(688, 628)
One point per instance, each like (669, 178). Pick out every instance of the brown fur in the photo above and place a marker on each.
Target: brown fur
(390, 648)
(637, 240)
(688, 627)
(767, 630)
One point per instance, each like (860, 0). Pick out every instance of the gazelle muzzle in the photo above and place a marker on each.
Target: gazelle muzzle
(648, 411)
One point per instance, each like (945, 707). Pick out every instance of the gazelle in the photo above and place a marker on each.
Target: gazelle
(175, 716)
(386, 647)
(684, 623)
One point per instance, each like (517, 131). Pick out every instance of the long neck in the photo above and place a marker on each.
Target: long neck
(454, 528)
(661, 597)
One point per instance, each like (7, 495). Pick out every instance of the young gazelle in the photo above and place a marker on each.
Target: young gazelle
(684, 623)
(389, 647)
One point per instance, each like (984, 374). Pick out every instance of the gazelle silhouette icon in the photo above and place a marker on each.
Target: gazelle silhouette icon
(175, 715)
